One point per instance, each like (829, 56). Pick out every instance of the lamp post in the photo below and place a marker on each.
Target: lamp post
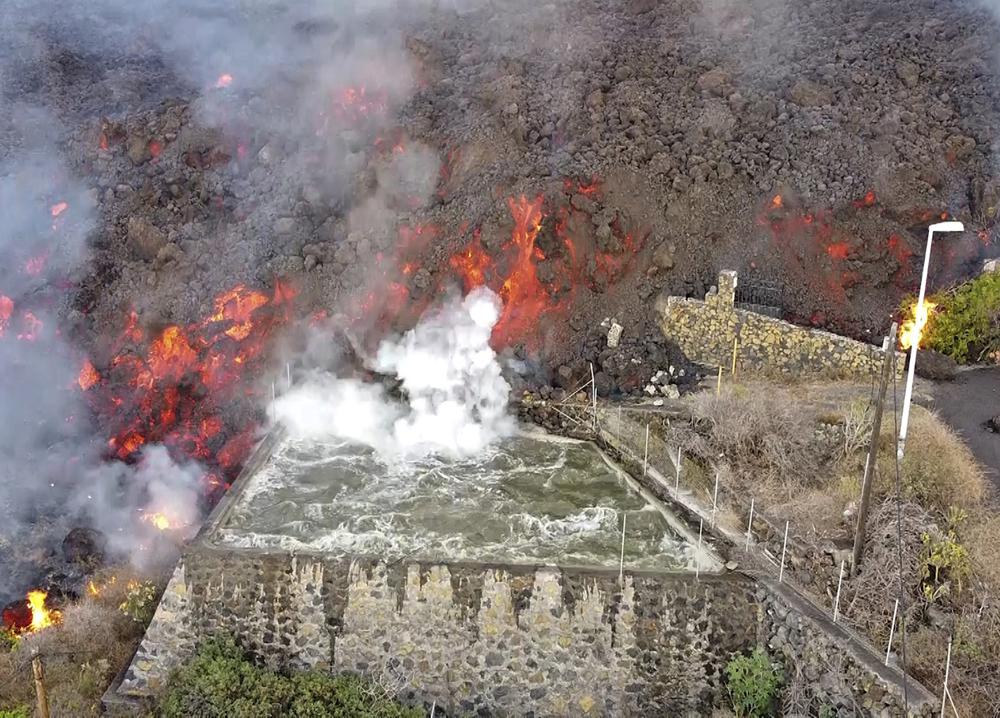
(920, 318)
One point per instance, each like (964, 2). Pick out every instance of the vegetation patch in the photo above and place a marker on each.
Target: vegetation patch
(753, 682)
(221, 682)
(965, 324)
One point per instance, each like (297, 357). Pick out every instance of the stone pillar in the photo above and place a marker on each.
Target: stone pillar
(727, 288)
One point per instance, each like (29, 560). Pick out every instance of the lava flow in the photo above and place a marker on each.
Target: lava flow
(184, 385)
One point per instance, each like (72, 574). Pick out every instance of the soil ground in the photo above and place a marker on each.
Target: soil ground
(966, 404)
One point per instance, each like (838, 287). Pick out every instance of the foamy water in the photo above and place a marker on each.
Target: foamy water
(526, 498)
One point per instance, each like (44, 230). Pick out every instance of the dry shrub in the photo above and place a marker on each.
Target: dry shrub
(938, 471)
(982, 538)
(81, 656)
(763, 432)
(872, 593)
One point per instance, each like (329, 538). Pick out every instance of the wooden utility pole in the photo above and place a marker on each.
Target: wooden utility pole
(888, 366)
(40, 694)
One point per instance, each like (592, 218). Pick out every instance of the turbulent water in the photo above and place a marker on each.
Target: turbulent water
(524, 499)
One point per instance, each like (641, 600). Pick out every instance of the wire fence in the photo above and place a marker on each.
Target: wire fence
(636, 434)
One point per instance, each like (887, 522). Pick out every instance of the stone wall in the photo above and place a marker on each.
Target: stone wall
(498, 640)
(705, 331)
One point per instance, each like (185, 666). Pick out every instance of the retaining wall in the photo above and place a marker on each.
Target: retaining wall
(506, 640)
(705, 330)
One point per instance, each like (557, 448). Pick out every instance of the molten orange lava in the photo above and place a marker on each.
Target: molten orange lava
(41, 617)
(174, 387)
(155, 148)
(913, 326)
(32, 326)
(88, 376)
(838, 250)
(6, 310)
(225, 80)
(58, 208)
(777, 202)
(34, 266)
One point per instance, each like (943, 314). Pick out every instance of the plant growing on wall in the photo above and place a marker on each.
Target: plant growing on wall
(753, 682)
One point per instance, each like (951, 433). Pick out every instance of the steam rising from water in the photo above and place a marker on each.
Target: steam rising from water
(456, 397)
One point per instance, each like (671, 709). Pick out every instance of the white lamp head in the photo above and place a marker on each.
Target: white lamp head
(948, 227)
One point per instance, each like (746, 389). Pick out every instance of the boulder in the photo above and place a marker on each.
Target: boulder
(144, 239)
(935, 365)
(806, 93)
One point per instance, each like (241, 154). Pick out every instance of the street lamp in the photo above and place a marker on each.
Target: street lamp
(920, 318)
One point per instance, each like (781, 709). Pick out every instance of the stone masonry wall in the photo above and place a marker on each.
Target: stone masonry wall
(705, 331)
(490, 640)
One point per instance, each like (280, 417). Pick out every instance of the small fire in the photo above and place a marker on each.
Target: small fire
(41, 617)
(913, 326)
(157, 519)
(225, 80)
(777, 202)
(58, 208)
(155, 148)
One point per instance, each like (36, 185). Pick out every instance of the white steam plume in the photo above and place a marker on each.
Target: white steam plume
(456, 396)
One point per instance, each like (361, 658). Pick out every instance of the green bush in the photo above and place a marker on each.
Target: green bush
(8, 640)
(966, 323)
(20, 712)
(140, 601)
(753, 683)
(221, 682)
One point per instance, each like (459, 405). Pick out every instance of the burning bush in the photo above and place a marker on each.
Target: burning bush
(965, 322)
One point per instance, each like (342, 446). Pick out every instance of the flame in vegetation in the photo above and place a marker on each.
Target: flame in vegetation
(189, 387)
(41, 617)
(913, 326)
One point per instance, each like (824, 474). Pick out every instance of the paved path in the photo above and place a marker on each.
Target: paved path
(966, 404)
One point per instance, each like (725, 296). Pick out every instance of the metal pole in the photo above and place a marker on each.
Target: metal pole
(288, 374)
(836, 601)
(888, 366)
(750, 523)
(784, 545)
(947, 670)
(718, 383)
(677, 473)
(892, 632)
(621, 563)
(39, 673)
(908, 394)
(645, 453)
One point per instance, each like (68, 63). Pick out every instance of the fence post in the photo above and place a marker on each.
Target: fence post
(750, 524)
(645, 453)
(947, 670)
(697, 556)
(677, 475)
(621, 563)
(593, 388)
(836, 601)
(39, 673)
(715, 497)
(888, 365)
(892, 632)
(784, 545)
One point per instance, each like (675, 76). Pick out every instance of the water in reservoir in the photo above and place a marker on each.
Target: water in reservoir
(529, 498)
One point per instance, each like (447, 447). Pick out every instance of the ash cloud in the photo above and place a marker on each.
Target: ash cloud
(454, 398)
